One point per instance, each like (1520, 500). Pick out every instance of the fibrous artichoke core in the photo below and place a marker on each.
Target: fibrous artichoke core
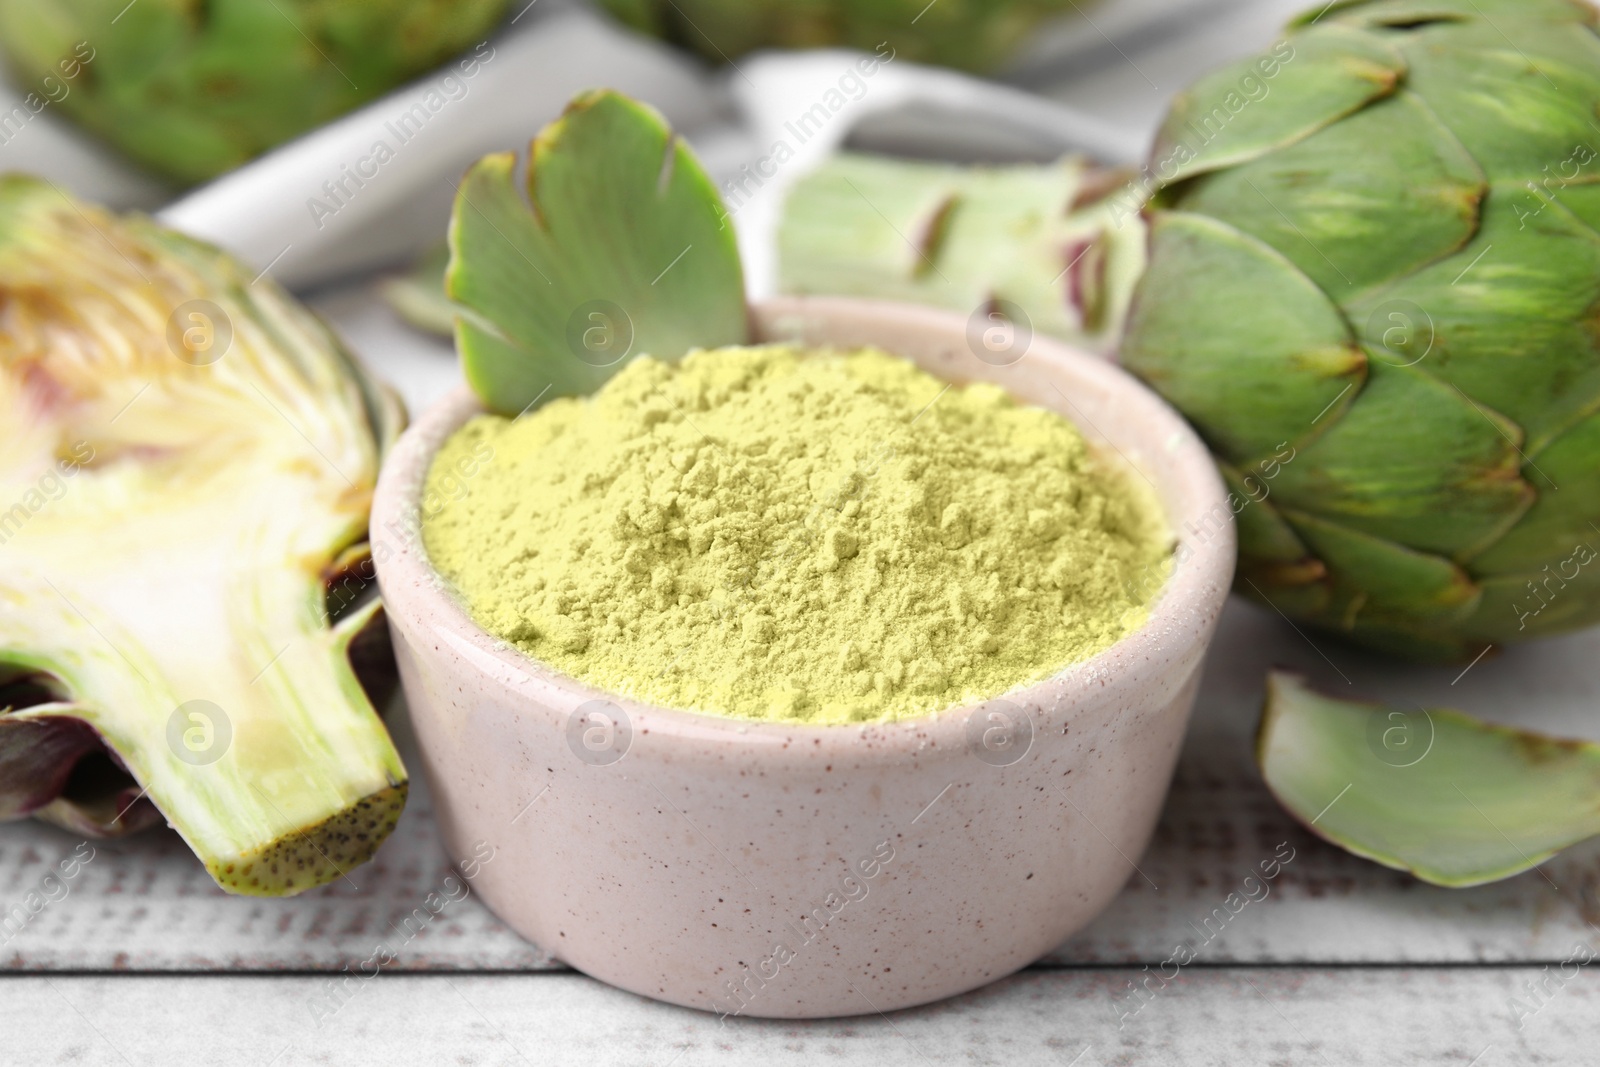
(1042, 239)
(186, 460)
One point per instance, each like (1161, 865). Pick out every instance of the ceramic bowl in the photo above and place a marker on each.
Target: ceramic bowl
(792, 870)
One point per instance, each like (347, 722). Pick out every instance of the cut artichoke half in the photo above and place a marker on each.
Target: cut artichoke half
(617, 246)
(187, 458)
(1451, 799)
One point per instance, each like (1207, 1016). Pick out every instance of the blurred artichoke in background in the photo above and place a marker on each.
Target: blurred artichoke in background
(976, 35)
(192, 89)
(1373, 285)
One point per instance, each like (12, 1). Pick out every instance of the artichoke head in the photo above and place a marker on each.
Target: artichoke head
(1367, 268)
(191, 89)
(1374, 286)
(186, 463)
(976, 35)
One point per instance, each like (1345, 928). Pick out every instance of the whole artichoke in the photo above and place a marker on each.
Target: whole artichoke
(191, 89)
(966, 34)
(1377, 247)
(1373, 283)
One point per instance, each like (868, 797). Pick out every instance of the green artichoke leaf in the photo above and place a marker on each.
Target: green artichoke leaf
(1262, 532)
(1414, 462)
(1420, 586)
(187, 458)
(1299, 370)
(1246, 110)
(1044, 238)
(1416, 14)
(1510, 320)
(618, 246)
(1567, 476)
(1282, 569)
(1547, 568)
(1350, 228)
(1581, 195)
(191, 90)
(1453, 800)
(1506, 87)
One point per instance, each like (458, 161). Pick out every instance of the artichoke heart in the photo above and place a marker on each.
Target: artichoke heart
(187, 459)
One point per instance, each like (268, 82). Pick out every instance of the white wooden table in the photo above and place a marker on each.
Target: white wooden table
(145, 962)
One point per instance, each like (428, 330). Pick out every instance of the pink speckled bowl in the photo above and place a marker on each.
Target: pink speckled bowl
(799, 871)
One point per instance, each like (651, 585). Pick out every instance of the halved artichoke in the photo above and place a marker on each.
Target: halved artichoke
(187, 458)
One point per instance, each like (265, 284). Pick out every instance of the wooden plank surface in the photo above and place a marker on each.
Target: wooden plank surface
(1461, 1017)
(145, 904)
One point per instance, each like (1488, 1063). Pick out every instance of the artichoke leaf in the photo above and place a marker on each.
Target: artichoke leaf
(1510, 320)
(1426, 589)
(1249, 108)
(618, 246)
(1416, 462)
(1513, 112)
(1553, 529)
(1288, 384)
(1350, 228)
(186, 457)
(1453, 800)
(1413, 14)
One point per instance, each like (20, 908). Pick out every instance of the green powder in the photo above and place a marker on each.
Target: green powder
(768, 533)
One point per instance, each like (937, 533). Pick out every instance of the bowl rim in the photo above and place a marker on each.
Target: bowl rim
(1189, 601)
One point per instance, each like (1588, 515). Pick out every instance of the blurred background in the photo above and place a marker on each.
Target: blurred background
(154, 116)
(178, 119)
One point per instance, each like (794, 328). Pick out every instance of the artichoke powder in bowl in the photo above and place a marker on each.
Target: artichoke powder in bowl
(772, 533)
